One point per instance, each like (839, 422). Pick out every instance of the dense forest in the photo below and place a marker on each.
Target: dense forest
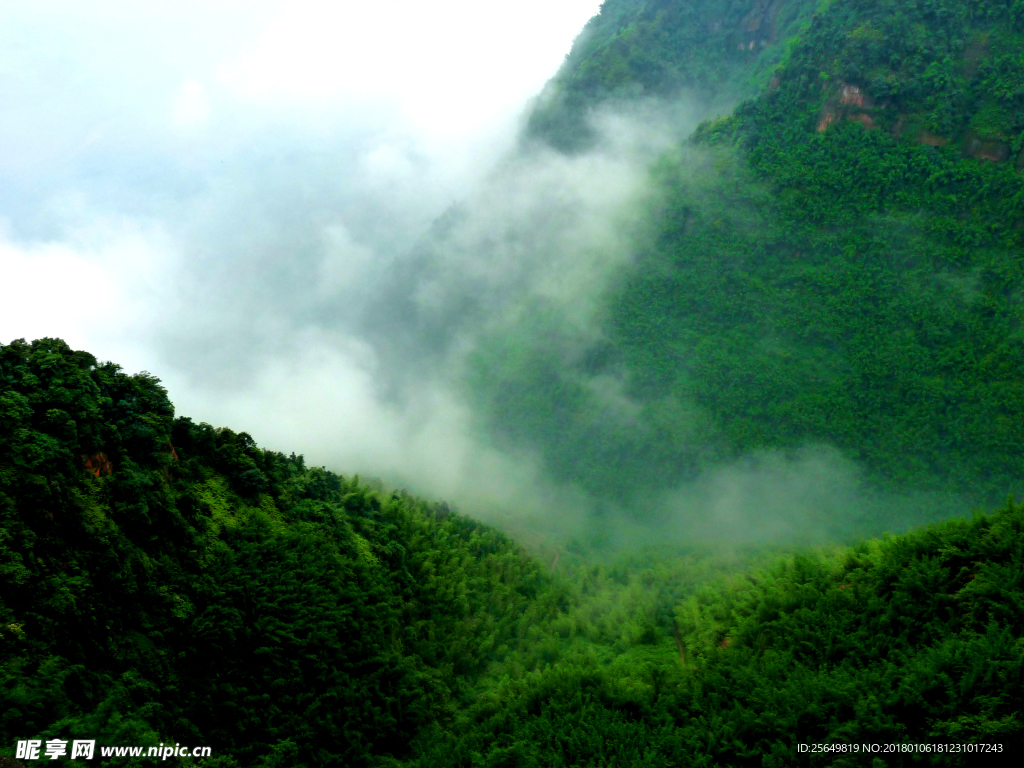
(836, 261)
(165, 581)
(829, 265)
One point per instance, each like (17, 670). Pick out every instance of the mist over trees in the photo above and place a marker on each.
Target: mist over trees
(832, 265)
(746, 298)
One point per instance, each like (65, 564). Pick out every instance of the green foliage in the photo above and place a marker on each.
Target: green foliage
(715, 51)
(167, 580)
(913, 639)
(836, 263)
(873, 332)
(162, 596)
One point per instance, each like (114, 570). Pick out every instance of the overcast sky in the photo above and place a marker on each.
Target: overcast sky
(189, 188)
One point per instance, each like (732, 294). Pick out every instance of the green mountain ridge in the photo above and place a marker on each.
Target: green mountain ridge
(715, 53)
(150, 565)
(167, 582)
(837, 262)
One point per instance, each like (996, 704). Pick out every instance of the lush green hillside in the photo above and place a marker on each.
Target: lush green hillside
(836, 263)
(913, 640)
(713, 52)
(166, 581)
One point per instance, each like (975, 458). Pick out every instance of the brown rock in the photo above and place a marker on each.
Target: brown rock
(863, 119)
(98, 464)
(996, 151)
(853, 96)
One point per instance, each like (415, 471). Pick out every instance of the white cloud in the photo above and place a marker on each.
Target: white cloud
(104, 288)
(50, 290)
(321, 399)
(344, 264)
(200, 189)
(450, 67)
(192, 107)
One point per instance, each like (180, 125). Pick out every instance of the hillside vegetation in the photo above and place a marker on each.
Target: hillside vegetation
(713, 52)
(837, 262)
(833, 266)
(164, 578)
(164, 581)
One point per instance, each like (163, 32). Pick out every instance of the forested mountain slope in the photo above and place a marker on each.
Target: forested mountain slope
(836, 263)
(164, 581)
(715, 52)
(912, 640)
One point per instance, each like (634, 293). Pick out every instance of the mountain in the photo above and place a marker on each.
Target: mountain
(168, 582)
(824, 277)
(833, 265)
(715, 52)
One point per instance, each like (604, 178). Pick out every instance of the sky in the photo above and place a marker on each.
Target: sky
(208, 190)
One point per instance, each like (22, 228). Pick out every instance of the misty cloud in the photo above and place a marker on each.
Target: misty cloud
(312, 220)
(215, 193)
